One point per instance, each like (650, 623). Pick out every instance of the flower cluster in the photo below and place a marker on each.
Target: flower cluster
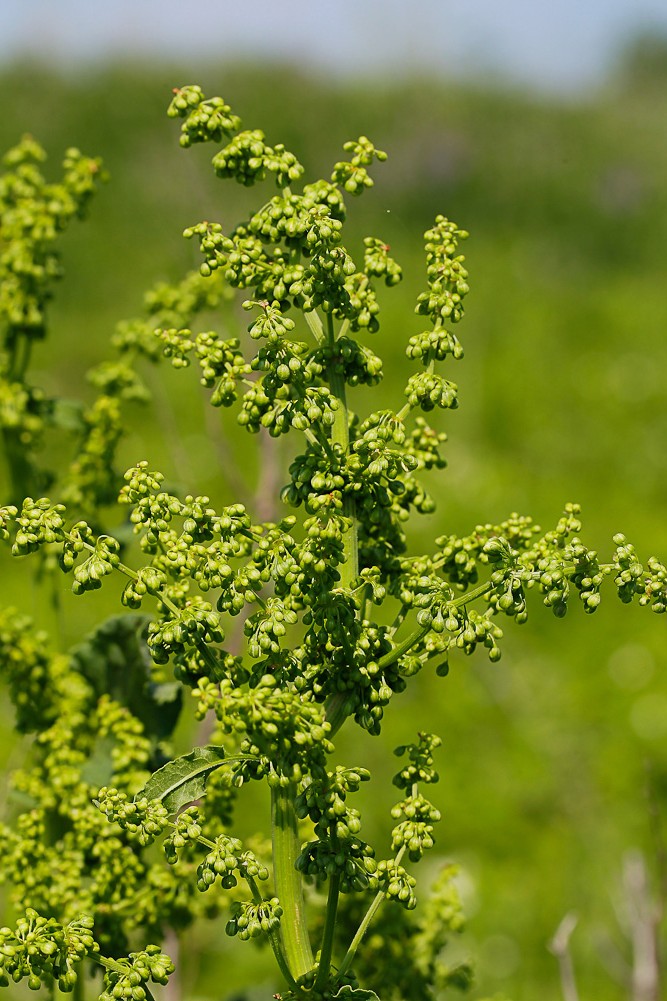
(143, 820)
(351, 859)
(41, 950)
(284, 733)
(337, 849)
(225, 859)
(126, 979)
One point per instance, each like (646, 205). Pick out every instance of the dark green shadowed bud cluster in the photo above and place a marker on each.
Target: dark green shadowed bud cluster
(250, 920)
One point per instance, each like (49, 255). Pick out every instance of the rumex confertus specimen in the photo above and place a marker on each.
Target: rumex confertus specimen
(337, 613)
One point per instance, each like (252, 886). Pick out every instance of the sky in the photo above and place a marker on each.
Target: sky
(553, 45)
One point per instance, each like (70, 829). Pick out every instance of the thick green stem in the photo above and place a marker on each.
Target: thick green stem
(289, 888)
(337, 706)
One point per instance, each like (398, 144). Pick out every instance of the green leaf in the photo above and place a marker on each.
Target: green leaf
(115, 660)
(67, 415)
(98, 769)
(184, 779)
(348, 993)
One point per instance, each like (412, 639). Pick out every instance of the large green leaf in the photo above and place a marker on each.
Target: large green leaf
(115, 660)
(67, 415)
(348, 993)
(184, 779)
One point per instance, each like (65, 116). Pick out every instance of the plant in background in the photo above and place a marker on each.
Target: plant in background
(33, 214)
(337, 615)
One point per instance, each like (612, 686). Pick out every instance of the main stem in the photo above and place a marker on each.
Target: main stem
(289, 888)
(286, 844)
(349, 571)
(337, 705)
(340, 435)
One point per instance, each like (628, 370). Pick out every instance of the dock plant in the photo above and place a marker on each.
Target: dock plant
(278, 635)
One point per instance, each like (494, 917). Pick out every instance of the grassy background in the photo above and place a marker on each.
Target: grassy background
(546, 755)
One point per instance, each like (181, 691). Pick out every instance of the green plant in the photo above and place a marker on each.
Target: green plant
(336, 615)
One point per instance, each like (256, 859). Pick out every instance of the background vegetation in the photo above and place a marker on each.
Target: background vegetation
(554, 763)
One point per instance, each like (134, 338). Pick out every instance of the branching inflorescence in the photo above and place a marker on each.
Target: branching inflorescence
(307, 588)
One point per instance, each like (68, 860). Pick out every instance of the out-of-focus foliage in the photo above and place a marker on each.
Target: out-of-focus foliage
(555, 761)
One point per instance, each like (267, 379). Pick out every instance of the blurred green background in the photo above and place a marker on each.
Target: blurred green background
(554, 762)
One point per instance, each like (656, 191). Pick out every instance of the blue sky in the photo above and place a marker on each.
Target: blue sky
(558, 45)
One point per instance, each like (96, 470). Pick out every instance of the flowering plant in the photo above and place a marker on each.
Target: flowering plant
(337, 614)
